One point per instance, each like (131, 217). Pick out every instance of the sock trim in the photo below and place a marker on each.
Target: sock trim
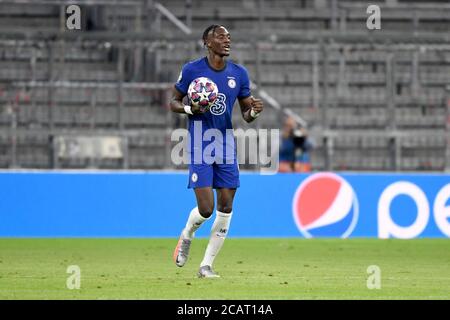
(223, 214)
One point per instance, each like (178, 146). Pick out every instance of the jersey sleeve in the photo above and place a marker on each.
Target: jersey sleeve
(183, 81)
(244, 90)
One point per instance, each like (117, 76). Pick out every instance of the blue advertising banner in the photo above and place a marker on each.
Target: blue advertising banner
(157, 204)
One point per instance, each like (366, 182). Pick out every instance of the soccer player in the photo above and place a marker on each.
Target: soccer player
(223, 174)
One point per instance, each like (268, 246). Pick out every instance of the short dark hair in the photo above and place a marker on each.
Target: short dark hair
(212, 27)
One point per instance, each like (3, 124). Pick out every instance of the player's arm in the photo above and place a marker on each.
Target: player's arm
(250, 108)
(177, 105)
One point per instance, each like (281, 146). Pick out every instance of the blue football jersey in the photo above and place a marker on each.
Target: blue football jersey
(232, 83)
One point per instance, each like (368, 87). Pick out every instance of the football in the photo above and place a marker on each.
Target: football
(202, 92)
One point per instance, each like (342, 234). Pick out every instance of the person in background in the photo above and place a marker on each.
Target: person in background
(295, 148)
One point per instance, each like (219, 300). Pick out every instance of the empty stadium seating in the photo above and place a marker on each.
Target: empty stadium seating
(364, 85)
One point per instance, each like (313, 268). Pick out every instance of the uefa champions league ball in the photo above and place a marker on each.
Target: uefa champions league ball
(202, 92)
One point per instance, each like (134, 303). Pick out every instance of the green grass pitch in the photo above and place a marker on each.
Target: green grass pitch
(250, 269)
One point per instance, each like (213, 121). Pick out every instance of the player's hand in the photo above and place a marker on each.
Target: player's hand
(195, 109)
(257, 105)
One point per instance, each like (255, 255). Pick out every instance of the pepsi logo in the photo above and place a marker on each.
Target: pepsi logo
(325, 204)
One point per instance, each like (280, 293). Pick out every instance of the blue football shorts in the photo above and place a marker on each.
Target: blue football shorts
(214, 175)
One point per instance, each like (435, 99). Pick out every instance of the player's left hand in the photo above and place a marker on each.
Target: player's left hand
(257, 105)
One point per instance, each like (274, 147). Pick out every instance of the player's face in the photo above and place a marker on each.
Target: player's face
(220, 42)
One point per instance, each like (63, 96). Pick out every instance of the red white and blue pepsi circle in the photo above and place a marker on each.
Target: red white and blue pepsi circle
(325, 205)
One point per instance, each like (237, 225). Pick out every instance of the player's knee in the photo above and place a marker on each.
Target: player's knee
(225, 208)
(206, 210)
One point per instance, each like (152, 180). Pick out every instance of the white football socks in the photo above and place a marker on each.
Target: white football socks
(219, 231)
(194, 222)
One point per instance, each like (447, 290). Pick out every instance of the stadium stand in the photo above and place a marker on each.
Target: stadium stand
(373, 99)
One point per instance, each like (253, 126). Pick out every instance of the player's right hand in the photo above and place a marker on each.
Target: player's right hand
(195, 109)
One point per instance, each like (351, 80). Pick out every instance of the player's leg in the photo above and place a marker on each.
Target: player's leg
(219, 230)
(201, 213)
(200, 178)
(226, 180)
